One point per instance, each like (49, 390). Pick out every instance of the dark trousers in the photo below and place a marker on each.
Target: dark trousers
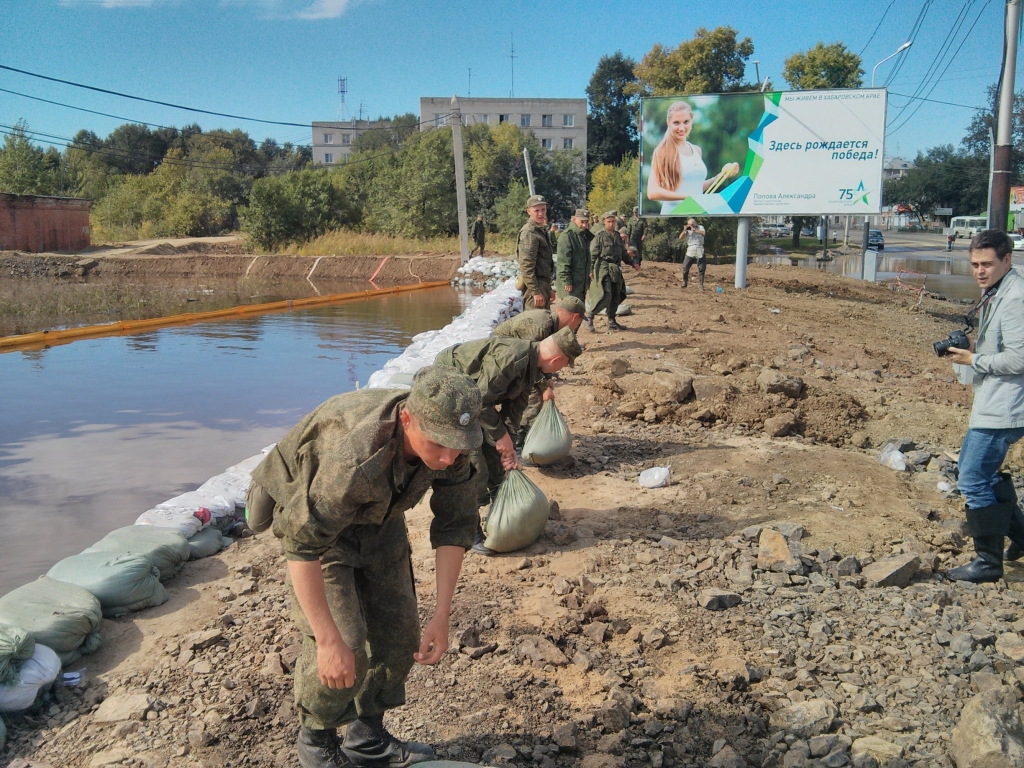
(702, 266)
(374, 608)
(479, 244)
(610, 299)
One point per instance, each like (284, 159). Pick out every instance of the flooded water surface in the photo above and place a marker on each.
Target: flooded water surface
(96, 432)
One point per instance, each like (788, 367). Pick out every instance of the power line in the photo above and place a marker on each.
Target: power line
(878, 27)
(935, 101)
(918, 22)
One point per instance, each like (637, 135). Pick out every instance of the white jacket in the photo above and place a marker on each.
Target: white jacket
(997, 373)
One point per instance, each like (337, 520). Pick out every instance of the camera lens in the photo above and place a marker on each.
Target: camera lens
(941, 347)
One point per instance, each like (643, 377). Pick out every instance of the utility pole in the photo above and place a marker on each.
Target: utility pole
(742, 247)
(512, 57)
(999, 210)
(460, 179)
(529, 171)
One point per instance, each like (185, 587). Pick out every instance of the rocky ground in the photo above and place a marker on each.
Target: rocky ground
(779, 604)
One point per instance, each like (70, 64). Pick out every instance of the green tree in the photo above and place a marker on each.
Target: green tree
(614, 187)
(387, 133)
(611, 124)
(712, 62)
(510, 210)
(942, 177)
(976, 140)
(294, 207)
(824, 66)
(24, 169)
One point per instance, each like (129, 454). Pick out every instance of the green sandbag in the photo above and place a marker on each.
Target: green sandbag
(208, 541)
(122, 583)
(16, 646)
(59, 615)
(518, 514)
(549, 439)
(166, 548)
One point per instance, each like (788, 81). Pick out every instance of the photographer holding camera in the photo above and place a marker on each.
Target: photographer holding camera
(693, 233)
(994, 366)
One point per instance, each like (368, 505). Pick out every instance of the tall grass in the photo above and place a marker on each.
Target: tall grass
(346, 242)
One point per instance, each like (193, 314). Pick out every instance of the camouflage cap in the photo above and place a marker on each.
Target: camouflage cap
(582, 213)
(533, 200)
(447, 406)
(572, 304)
(566, 341)
(610, 215)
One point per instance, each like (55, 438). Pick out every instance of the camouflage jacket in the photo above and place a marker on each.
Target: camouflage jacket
(506, 371)
(340, 474)
(536, 266)
(573, 258)
(532, 325)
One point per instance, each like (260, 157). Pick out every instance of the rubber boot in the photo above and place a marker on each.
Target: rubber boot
(317, 749)
(701, 281)
(988, 525)
(588, 322)
(368, 743)
(987, 566)
(1006, 493)
(686, 279)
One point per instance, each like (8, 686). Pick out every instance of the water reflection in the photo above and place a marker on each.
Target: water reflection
(95, 432)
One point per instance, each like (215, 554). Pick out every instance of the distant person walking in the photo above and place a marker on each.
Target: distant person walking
(479, 233)
(636, 229)
(607, 287)
(534, 253)
(573, 257)
(694, 233)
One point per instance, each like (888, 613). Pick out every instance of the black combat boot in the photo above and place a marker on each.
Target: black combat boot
(686, 278)
(318, 749)
(1005, 492)
(614, 325)
(987, 525)
(701, 281)
(367, 743)
(478, 543)
(588, 322)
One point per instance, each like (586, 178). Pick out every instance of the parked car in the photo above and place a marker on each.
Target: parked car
(1018, 242)
(807, 232)
(875, 240)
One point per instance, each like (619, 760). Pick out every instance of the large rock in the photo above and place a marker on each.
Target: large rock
(990, 733)
(1011, 645)
(880, 749)
(806, 718)
(114, 709)
(541, 651)
(705, 387)
(731, 669)
(668, 387)
(893, 571)
(773, 553)
(781, 425)
(774, 382)
(727, 757)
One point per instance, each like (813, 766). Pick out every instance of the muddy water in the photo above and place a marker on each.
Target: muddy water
(95, 432)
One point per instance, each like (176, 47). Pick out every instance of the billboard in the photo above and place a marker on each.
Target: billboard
(1017, 199)
(763, 154)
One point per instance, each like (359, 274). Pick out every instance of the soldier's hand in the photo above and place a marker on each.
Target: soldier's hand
(552, 296)
(538, 300)
(434, 642)
(509, 459)
(336, 664)
(549, 394)
(636, 267)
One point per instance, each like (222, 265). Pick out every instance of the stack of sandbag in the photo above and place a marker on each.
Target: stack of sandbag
(518, 514)
(549, 439)
(33, 675)
(121, 582)
(166, 549)
(64, 617)
(208, 541)
(16, 646)
(188, 513)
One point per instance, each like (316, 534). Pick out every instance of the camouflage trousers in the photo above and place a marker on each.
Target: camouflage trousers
(487, 462)
(374, 607)
(545, 289)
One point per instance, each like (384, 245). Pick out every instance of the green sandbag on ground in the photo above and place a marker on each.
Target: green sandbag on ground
(16, 646)
(208, 541)
(167, 549)
(122, 583)
(518, 514)
(59, 615)
(549, 439)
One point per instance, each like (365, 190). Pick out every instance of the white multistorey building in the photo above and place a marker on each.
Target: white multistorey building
(333, 142)
(557, 123)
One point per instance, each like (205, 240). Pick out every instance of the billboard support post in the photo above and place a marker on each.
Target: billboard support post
(460, 179)
(529, 171)
(742, 242)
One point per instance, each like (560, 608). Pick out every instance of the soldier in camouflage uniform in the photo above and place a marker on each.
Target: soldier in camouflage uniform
(607, 287)
(338, 485)
(533, 251)
(479, 235)
(507, 371)
(572, 263)
(636, 232)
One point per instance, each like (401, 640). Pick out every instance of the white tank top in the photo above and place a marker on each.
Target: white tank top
(694, 174)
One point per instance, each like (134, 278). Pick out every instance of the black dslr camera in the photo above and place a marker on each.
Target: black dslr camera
(956, 339)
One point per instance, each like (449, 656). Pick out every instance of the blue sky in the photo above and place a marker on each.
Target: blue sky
(280, 59)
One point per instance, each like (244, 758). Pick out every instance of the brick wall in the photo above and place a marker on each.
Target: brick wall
(37, 224)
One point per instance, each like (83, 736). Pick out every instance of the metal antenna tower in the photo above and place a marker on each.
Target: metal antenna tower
(512, 56)
(342, 92)
(469, 89)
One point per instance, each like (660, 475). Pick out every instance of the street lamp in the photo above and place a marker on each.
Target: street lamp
(899, 50)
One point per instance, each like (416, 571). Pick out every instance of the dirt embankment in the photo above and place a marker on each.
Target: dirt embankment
(225, 260)
(605, 644)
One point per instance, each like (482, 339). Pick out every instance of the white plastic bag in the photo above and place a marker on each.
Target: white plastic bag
(656, 477)
(893, 458)
(231, 485)
(41, 670)
(185, 523)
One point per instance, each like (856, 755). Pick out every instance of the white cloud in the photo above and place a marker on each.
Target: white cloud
(324, 9)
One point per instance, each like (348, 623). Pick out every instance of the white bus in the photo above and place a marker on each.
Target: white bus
(968, 226)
